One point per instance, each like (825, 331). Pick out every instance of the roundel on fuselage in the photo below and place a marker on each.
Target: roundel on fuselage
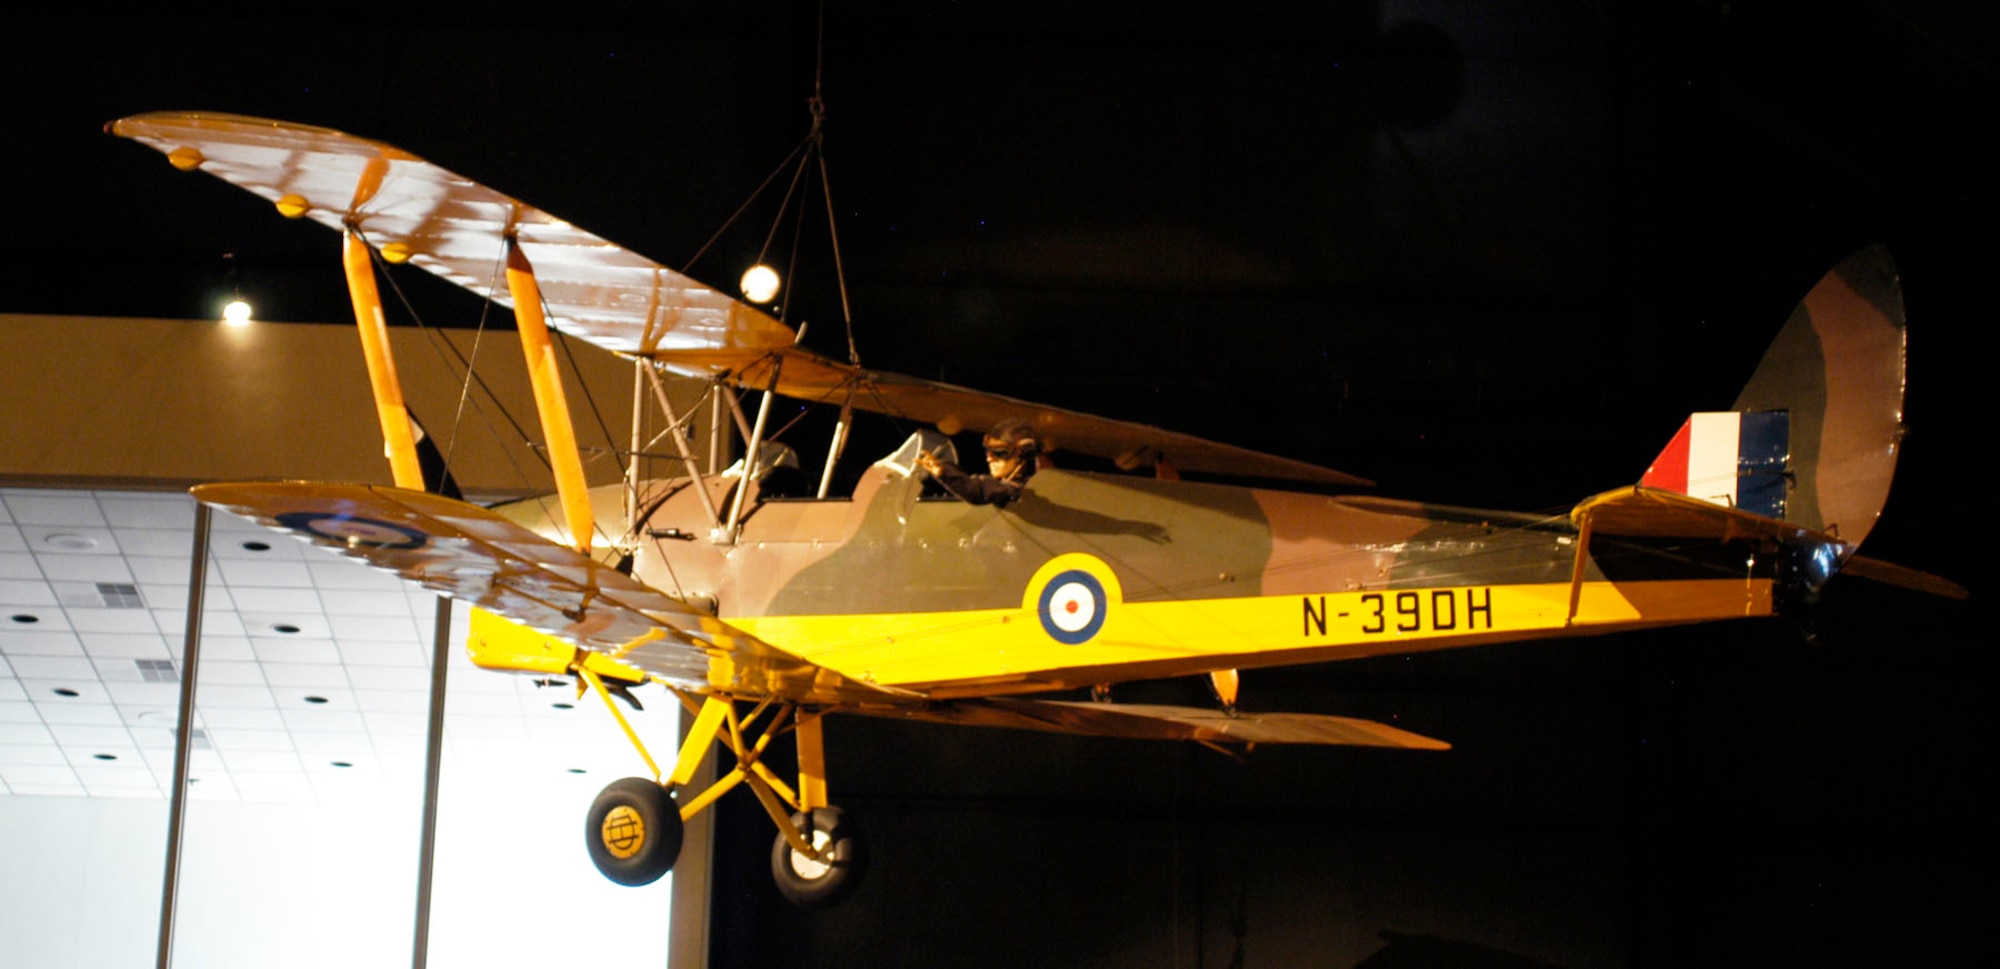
(1072, 595)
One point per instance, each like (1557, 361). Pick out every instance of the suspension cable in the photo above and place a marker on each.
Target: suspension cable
(712, 240)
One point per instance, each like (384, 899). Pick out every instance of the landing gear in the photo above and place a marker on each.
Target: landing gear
(633, 831)
(634, 828)
(810, 882)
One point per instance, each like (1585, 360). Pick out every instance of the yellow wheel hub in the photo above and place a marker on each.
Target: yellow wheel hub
(624, 832)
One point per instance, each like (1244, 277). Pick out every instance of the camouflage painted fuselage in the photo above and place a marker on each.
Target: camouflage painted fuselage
(1092, 577)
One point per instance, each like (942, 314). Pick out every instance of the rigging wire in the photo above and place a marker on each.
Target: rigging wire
(465, 385)
(590, 401)
(439, 346)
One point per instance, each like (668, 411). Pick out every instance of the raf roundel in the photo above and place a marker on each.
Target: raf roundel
(352, 531)
(1072, 607)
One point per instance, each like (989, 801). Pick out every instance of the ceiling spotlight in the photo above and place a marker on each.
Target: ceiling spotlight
(760, 283)
(237, 313)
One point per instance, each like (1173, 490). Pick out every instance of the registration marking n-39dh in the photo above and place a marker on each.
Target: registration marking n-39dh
(1465, 609)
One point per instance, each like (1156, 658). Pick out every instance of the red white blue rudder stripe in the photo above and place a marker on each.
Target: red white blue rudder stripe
(1733, 458)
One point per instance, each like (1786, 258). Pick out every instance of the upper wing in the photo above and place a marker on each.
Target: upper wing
(455, 227)
(608, 295)
(487, 561)
(804, 375)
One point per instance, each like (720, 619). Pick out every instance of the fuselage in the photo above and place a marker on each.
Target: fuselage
(1087, 573)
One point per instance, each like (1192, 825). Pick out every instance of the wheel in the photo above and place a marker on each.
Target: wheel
(634, 831)
(811, 883)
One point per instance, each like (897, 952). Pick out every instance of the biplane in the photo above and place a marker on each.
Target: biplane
(765, 605)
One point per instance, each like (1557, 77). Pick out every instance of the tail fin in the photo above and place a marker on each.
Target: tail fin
(1813, 437)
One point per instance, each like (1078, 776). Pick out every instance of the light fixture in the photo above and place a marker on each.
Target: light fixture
(237, 313)
(760, 283)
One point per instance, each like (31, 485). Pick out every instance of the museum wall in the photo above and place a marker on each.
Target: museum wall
(319, 884)
(174, 402)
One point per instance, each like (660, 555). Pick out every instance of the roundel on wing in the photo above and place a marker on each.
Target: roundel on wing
(352, 531)
(1072, 606)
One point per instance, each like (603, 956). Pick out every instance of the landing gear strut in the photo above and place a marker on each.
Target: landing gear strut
(635, 826)
(822, 881)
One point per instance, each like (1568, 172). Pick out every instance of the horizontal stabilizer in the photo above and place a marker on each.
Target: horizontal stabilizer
(1639, 511)
(1903, 577)
(1152, 722)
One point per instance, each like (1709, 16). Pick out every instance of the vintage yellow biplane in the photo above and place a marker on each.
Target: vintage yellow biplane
(765, 604)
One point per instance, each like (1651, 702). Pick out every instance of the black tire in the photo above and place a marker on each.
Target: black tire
(633, 832)
(810, 884)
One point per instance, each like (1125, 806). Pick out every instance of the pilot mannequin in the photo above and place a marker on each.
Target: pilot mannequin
(1012, 453)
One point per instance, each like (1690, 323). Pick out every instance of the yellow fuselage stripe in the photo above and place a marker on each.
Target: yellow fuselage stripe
(914, 649)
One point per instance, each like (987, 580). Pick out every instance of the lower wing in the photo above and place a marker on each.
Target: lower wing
(1153, 722)
(488, 562)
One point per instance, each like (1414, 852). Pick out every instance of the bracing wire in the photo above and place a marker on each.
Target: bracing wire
(442, 347)
(465, 385)
(590, 401)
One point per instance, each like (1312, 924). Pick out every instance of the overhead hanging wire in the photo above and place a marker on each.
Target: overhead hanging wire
(810, 152)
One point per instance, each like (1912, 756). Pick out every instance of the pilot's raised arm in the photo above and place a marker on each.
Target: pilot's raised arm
(1011, 451)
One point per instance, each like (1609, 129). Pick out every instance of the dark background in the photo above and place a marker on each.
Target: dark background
(1483, 253)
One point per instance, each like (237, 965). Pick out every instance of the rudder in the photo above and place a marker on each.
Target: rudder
(1813, 437)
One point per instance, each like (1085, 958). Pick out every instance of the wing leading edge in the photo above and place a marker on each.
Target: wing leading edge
(609, 296)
